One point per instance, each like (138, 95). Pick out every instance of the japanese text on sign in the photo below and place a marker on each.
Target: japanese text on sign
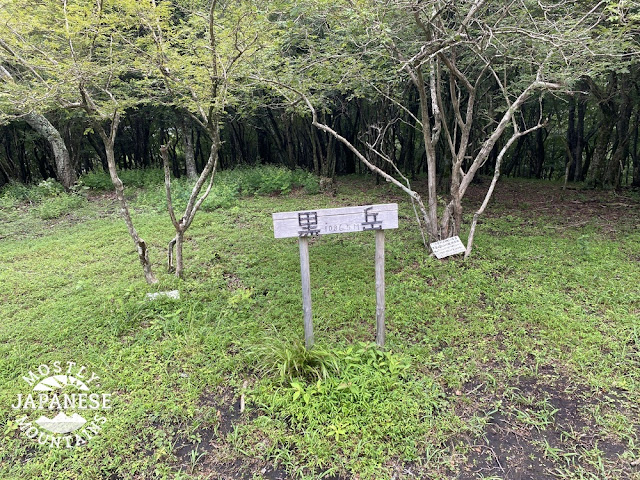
(308, 223)
(447, 247)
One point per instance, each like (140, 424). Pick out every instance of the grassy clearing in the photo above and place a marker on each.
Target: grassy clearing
(520, 363)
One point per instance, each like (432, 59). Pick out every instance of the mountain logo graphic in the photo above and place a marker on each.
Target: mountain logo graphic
(57, 382)
(61, 423)
(62, 408)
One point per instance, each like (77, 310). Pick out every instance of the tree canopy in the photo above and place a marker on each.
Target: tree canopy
(448, 88)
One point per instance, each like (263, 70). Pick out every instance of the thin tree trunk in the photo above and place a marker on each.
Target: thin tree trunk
(571, 140)
(64, 171)
(314, 148)
(18, 149)
(194, 203)
(141, 246)
(620, 154)
(432, 196)
(596, 173)
(635, 182)
(579, 145)
(179, 260)
(539, 161)
(109, 143)
(189, 154)
(494, 181)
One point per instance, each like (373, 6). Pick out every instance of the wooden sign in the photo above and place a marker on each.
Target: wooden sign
(447, 247)
(310, 223)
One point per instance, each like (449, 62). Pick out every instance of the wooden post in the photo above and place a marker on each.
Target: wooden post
(380, 307)
(317, 222)
(303, 243)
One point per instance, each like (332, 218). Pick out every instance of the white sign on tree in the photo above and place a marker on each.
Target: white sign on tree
(311, 223)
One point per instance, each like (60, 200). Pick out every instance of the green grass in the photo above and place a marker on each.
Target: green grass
(541, 320)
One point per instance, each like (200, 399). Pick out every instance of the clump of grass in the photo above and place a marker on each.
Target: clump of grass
(374, 398)
(294, 360)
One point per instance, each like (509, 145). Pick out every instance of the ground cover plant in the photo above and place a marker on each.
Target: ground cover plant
(518, 363)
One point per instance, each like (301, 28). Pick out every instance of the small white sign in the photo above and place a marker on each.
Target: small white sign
(174, 294)
(311, 223)
(447, 247)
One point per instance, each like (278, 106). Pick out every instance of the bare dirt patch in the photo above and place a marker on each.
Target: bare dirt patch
(546, 428)
(572, 207)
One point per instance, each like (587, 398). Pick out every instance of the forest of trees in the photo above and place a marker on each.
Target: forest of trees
(447, 88)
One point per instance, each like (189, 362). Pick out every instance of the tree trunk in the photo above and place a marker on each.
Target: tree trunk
(100, 151)
(432, 197)
(141, 246)
(579, 138)
(42, 154)
(64, 171)
(109, 149)
(289, 141)
(634, 152)
(179, 260)
(596, 173)
(314, 148)
(571, 139)
(19, 150)
(539, 159)
(620, 154)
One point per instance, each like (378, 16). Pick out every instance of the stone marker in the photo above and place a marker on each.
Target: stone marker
(173, 294)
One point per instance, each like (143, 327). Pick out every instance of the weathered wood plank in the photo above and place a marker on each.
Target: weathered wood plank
(380, 302)
(303, 243)
(326, 221)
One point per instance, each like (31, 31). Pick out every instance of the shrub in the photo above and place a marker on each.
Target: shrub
(270, 179)
(57, 206)
(223, 195)
(136, 178)
(96, 181)
(8, 204)
(228, 186)
(142, 177)
(309, 181)
(7, 200)
(49, 188)
(23, 193)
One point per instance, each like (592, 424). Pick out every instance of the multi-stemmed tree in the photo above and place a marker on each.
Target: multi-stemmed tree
(105, 57)
(473, 65)
(202, 52)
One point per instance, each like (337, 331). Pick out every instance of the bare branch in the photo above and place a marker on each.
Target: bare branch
(496, 175)
(167, 185)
